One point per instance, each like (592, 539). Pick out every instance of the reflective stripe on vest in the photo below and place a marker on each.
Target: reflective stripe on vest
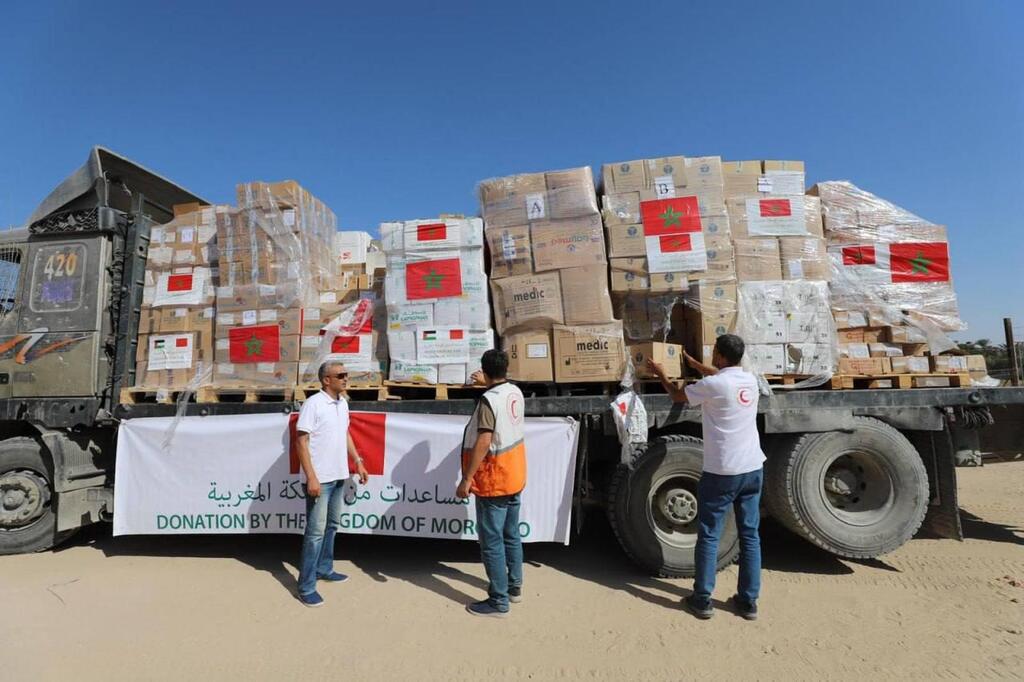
(503, 469)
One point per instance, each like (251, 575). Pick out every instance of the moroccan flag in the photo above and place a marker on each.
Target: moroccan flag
(433, 279)
(181, 342)
(670, 216)
(772, 208)
(179, 283)
(345, 344)
(255, 344)
(456, 334)
(431, 232)
(673, 243)
(858, 255)
(919, 262)
(369, 435)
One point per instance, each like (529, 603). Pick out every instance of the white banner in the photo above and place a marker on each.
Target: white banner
(238, 474)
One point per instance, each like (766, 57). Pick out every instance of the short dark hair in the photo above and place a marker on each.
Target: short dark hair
(494, 363)
(730, 347)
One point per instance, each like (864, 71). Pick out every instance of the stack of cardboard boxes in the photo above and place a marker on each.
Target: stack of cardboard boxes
(549, 277)
(668, 236)
(438, 316)
(276, 263)
(892, 292)
(176, 323)
(782, 268)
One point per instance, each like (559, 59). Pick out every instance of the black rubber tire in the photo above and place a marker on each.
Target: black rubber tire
(628, 501)
(795, 496)
(25, 453)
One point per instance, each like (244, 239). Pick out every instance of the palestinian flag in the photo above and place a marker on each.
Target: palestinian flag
(896, 263)
(254, 344)
(433, 279)
(670, 216)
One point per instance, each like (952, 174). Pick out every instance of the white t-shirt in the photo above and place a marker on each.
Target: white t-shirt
(729, 402)
(326, 422)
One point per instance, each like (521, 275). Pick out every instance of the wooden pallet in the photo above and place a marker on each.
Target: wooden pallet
(835, 383)
(904, 381)
(245, 394)
(304, 391)
(402, 390)
(140, 395)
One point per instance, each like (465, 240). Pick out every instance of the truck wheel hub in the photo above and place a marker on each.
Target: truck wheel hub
(22, 498)
(679, 506)
(842, 481)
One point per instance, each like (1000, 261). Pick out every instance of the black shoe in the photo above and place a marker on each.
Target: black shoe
(515, 594)
(702, 612)
(743, 609)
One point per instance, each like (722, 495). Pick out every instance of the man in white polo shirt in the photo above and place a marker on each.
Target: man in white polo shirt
(732, 472)
(324, 447)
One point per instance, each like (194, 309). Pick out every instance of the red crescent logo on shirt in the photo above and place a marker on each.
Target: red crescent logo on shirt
(513, 409)
(743, 396)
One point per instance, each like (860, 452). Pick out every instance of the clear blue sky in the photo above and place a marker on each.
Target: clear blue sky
(396, 110)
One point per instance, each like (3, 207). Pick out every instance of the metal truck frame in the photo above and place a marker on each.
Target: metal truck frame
(856, 472)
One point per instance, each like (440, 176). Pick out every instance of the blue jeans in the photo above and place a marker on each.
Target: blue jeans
(497, 522)
(323, 517)
(716, 494)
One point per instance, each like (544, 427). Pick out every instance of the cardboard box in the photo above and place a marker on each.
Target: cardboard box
(237, 298)
(766, 358)
(703, 172)
(530, 356)
(849, 319)
(570, 243)
(712, 298)
(511, 253)
(809, 358)
(949, 364)
(662, 282)
(589, 353)
(288, 319)
(858, 351)
(885, 350)
(772, 216)
(865, 366)
(622, 208)
(915, 349)
(625, 176)
(904, 335)
(740, 177)
(629, 274)
(805, 258)
(669, 170)
(585, 297)
(721, 261)
(910, 365)
(504, 201)
(175, 320)
(874, 334)
(668, 355)
(626, 241)
(571, 194)
(530, 301)
(757, 260)
(844, 336)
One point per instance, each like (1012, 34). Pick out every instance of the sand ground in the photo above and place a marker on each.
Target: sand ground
(223, 608)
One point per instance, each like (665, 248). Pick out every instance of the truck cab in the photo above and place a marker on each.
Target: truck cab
(71, 285)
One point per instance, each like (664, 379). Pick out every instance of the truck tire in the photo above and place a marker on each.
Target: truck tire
(857, 494)
(27, 519)
(653, 509)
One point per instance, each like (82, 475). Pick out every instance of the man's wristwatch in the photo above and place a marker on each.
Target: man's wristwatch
(358, 459)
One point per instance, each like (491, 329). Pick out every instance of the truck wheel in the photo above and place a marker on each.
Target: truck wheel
(27, 519)
(858, 494)
(653, 509)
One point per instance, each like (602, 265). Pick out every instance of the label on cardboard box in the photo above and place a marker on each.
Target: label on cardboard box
(442, 345)
(187, 235)
(536, 350)
(249, 317)
(664, 187)
(170, 351)
(288, 216)
(775, 217)
(536, 206)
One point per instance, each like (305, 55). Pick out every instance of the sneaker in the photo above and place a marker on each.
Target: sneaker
(333, 577)
(484, 608)
(700, 611)
(515, 594)
(312, 600)
(745, 610)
